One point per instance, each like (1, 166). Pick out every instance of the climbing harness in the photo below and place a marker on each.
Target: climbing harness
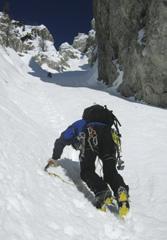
(92, 138)
(81, 139)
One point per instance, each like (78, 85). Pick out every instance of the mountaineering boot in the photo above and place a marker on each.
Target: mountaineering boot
(102, 199)
(123, 201)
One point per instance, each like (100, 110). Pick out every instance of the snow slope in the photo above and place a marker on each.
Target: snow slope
(35, 206)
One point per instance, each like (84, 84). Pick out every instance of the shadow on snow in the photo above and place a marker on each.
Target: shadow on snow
(72, 171)
(66, 79)
(76, 79)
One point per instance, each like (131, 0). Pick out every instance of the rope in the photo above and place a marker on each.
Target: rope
(58, 176)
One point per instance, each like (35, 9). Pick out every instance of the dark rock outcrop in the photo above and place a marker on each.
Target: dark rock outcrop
(133, 34)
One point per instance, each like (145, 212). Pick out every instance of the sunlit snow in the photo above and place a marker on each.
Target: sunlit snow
(34, 109)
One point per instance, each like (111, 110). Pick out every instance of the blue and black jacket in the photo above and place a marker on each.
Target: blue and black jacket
(69, 136)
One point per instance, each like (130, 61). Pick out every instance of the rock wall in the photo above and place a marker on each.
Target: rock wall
(86, 44)
(133, 34)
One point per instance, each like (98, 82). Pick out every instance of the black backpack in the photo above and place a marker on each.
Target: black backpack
(98, 113)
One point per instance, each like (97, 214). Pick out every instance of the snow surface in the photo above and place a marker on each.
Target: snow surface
(34, 110)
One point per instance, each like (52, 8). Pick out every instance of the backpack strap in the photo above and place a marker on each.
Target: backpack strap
(116, 121)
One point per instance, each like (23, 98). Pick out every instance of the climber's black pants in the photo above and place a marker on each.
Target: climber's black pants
(106, 153)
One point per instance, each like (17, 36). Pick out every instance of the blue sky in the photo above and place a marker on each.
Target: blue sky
(64, 18)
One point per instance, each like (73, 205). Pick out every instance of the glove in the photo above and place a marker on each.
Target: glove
(51, 163)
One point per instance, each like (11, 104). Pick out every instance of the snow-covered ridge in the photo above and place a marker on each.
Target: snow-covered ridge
(38, 42)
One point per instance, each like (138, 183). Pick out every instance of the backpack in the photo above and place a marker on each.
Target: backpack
(98, 113)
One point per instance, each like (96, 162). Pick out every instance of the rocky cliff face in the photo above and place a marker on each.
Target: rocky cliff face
(133, 36)
(39, 43)
(86, 43)
(34, 40)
